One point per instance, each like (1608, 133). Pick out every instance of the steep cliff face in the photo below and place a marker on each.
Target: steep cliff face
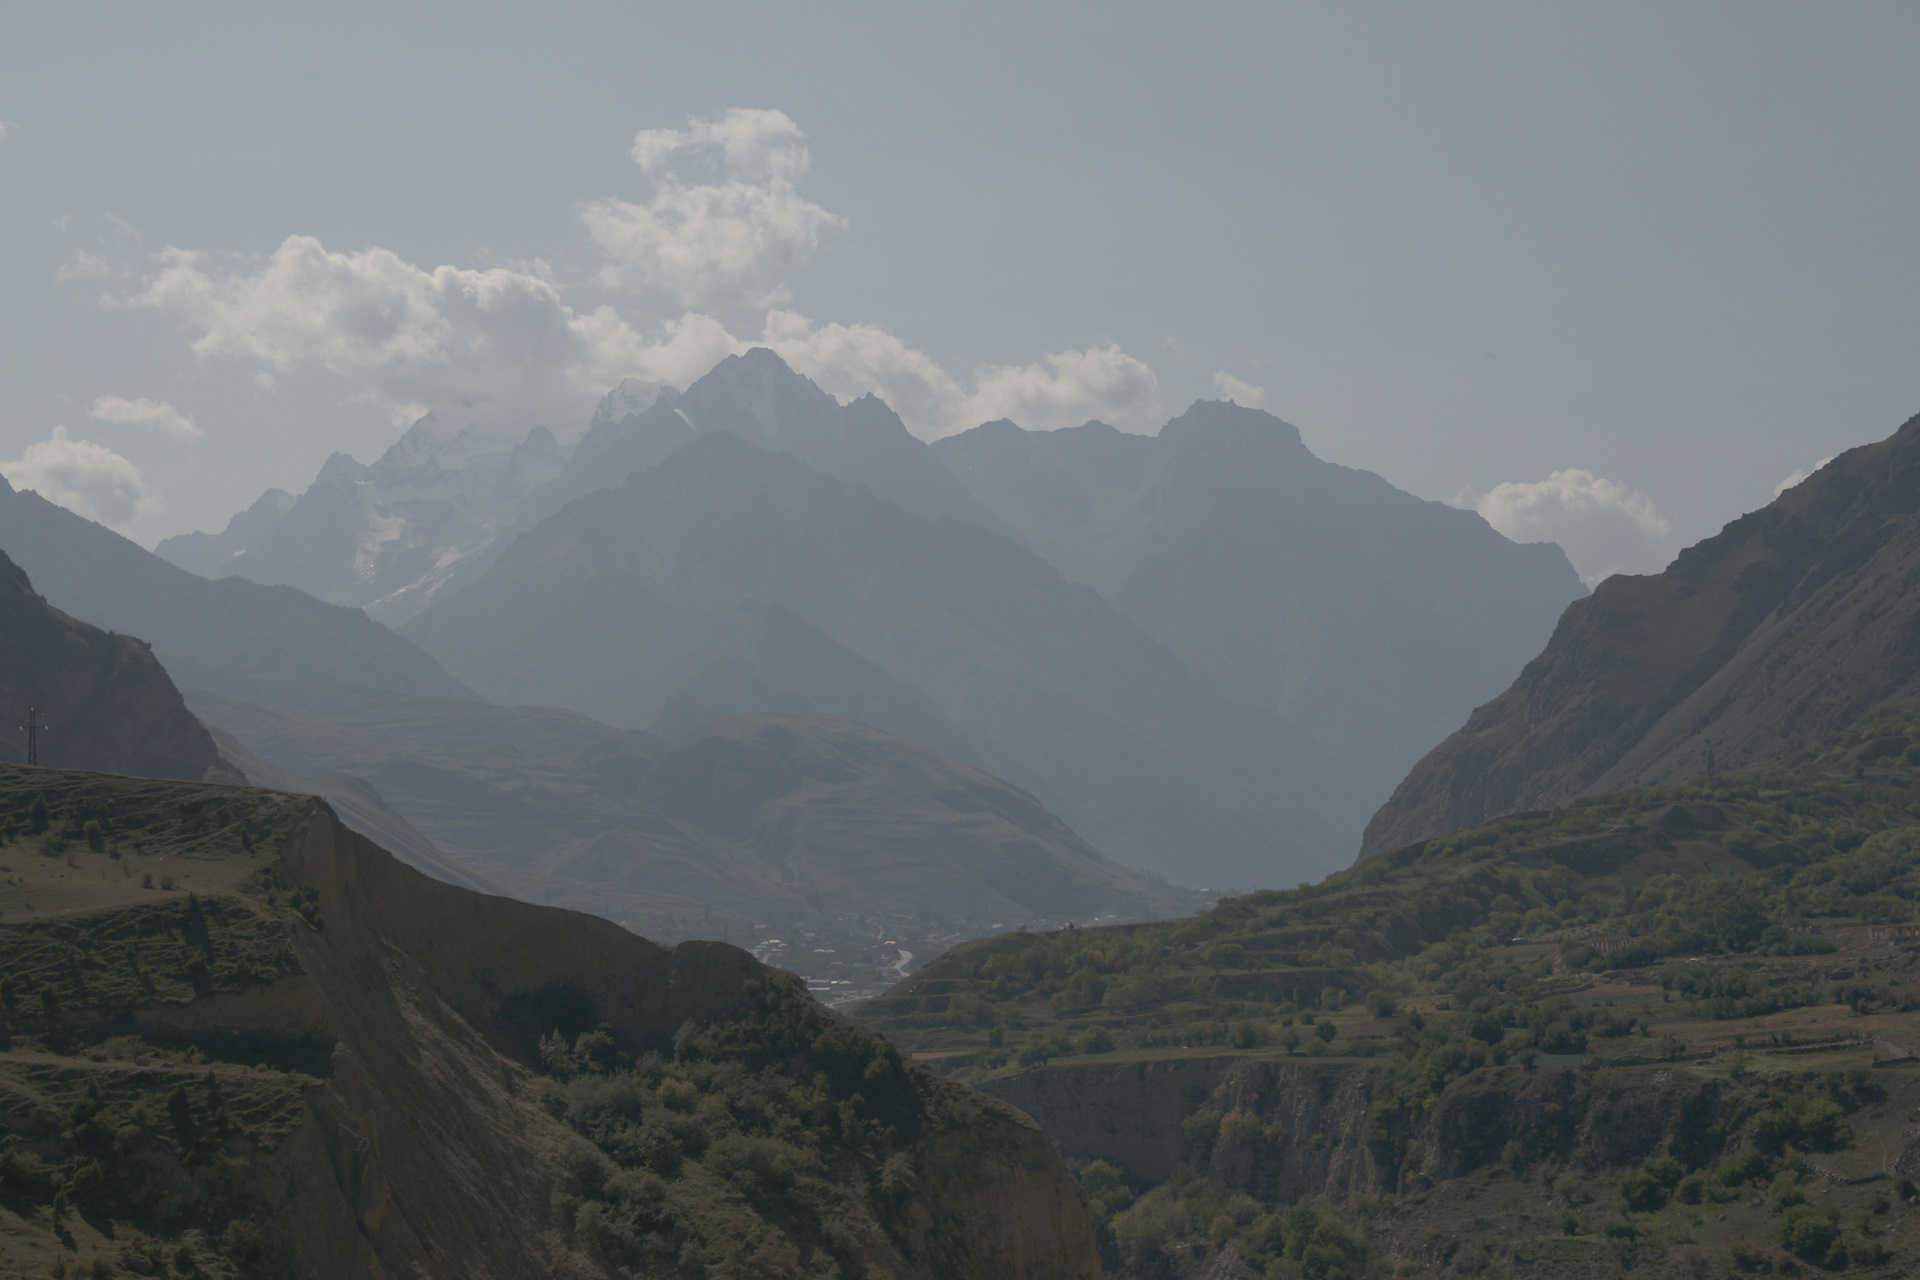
(1793, 622)
(323, 1063)
(113, 707)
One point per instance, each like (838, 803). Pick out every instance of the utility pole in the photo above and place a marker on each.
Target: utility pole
(33, 728)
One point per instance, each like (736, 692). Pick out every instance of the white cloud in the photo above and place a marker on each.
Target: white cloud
(5, 129)
(714, 243)
(82, 266)
(1065, 390)
(1798, 476)
(416, 338)
(1244, 393)
(1071, 387)
(156, 414)
(84, 477)
(1603, 527)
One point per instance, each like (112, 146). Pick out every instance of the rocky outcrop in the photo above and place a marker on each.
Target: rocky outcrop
(112, 706)
(1282, 1129)
(1793, 622)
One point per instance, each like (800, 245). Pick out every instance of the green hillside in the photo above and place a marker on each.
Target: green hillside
(1738, 950)
(238, 1040)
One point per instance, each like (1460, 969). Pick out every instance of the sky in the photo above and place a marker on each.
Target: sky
(1610, 274)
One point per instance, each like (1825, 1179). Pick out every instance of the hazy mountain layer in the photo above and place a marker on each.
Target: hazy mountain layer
(774, 817)
(273, 645)
(1793, 621)
(1372, 619)
(1063, 695)
(111, 705)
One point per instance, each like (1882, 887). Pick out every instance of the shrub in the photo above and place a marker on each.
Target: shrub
(1807, 1231)
(1642, 1191)
(1096, 1039)
(1743, 1167)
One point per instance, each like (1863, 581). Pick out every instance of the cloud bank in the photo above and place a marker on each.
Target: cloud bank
(84, 477)
(414, 338)
(715, 243)
(1603, 527)
(155, 414)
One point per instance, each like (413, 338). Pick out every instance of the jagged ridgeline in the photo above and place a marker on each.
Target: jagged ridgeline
(1670, 1029)
(237, 1039)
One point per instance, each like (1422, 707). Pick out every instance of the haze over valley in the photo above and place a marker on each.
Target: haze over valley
(757, 643)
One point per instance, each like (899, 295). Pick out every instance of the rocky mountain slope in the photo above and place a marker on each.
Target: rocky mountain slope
(1666, 1030)
(1054, 689)
(270, 644)
(240, 1040)
(769, 818)
(1792, 622)
(114, 708)
(1373, 620)
(386, 537)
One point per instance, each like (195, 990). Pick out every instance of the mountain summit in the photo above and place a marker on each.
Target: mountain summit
(1373, 620)
(1792, 622)
(391, 536)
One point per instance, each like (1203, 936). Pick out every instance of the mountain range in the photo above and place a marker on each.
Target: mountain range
(767, 817)
(1793, 622)
(435, 510)
(1051, 686)
(1209, 651)
(269, 644)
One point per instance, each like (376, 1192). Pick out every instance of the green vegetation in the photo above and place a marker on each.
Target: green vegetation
(125, 1149)
(1676, 992)
(773, 1143)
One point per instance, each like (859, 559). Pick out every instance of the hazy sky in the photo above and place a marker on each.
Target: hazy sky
(1611, 271)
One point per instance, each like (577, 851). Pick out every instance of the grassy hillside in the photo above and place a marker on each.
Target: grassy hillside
(1709, 986)
(238, 1040)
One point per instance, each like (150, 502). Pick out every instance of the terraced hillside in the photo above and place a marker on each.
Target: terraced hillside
(1672, 1030)
(237, 1039)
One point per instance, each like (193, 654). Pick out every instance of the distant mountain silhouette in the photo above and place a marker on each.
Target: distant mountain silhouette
(774, 816)
(387, 537)
(1049, 684)
(437, 508)
(1375, 621)
(1794, 621)
(112, 707)
(273, 645)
